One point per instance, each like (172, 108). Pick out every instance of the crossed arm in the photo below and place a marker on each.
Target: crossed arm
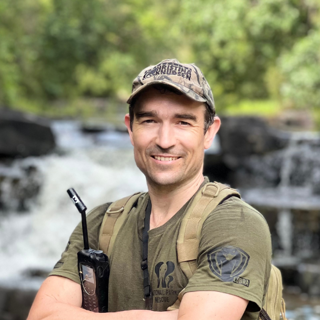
(60, 299)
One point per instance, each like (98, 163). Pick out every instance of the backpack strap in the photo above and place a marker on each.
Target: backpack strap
(113, 220)
(206, 200)
(274, 305)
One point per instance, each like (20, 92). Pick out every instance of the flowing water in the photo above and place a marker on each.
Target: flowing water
(295, 196)
(296, 201)
(34, 239)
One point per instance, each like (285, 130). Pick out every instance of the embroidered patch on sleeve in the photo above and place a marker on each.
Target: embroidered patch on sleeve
(243, 281)
(227, 263)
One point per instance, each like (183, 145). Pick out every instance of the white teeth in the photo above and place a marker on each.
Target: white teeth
(165, 158)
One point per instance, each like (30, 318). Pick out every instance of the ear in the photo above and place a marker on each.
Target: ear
(127, 123)
(211, 132)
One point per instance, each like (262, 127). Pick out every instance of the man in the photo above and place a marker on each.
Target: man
(171, 122)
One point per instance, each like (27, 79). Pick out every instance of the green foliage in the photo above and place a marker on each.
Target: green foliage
(301, 69)
(238, 41)
(72, 35)
(18, 47)
(56, 52)
(265, 108)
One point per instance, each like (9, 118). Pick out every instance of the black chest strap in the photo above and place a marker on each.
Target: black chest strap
(144, 263)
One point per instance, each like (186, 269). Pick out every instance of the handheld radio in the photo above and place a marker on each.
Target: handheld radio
(93, 267)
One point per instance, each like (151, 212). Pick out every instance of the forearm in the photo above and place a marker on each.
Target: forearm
(60, 299)
(61, 311)
(143, 315)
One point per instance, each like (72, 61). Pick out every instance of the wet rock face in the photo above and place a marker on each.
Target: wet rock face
(20, 184)
(244, 136)
(24, 135)
(15, 304)
(305, 279)
(296, 166)
(255, 155)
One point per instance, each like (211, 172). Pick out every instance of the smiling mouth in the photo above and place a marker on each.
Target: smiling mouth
(165, 158)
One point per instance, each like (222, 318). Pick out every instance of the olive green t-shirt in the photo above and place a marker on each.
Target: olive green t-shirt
(234, 257)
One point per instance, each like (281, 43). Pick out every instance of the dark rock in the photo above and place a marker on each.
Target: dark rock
(96, 126)
(216, 169)
(296, 166)
(241, 137)
(20, 184)
(309, 278)
(15, 303)
(244, 142)
(290, 276)
(35, 273)
(24, 135)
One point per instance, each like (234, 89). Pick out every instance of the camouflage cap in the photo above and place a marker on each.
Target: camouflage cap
(186, 78)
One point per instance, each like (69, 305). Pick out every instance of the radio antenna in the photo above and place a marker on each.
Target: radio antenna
(82, 209)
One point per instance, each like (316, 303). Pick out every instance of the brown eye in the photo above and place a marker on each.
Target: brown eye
(184, 123)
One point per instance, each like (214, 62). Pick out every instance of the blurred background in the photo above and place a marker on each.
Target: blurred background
(66, 68)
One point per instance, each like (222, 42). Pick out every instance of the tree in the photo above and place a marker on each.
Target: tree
(19, 26)
(236, 42)
(57, 50)
(300, 66)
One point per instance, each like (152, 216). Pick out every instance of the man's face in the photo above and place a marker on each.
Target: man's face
(168, 137)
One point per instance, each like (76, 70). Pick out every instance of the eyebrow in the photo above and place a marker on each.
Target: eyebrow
(186, 116)
(144, 114)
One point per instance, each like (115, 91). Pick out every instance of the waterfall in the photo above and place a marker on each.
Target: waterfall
(35, 239)
(284, 225)
(288, 193)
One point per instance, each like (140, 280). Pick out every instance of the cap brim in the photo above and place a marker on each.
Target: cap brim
(191, 94)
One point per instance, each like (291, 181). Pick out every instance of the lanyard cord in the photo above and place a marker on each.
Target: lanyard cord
(144, 263)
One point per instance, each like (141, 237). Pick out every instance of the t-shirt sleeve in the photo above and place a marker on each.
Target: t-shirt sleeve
(67, 266)
(234, 253)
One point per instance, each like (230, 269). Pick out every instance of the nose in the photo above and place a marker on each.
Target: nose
(166, 137)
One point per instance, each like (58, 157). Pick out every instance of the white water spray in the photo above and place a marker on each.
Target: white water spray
(36, 239)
